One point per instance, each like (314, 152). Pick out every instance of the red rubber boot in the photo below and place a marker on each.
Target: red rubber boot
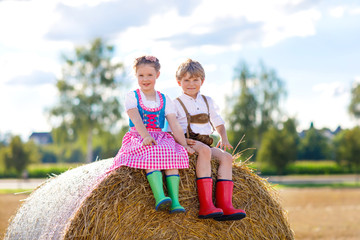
(224, 191)
(207, 208)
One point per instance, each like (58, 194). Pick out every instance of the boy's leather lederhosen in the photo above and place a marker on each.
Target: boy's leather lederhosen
(198, 118)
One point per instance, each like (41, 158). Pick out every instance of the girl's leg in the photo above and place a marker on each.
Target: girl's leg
(224, 187)
(172, 181)
(172, 172)
(156, 183)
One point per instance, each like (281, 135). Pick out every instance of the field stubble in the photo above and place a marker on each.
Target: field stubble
(316, 213)
(323, 213)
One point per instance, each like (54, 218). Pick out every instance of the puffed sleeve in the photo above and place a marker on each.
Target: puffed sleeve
(130, 100)
(170, 106)
(214, 109)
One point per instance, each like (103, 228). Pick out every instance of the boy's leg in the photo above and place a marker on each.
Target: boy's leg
(156, 183)
(172, 181)
(207, 208)
(224, 187)
(204, 182)
(225, 163)
(203, 163)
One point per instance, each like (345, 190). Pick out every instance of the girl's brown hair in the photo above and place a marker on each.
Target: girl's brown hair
(146, 59)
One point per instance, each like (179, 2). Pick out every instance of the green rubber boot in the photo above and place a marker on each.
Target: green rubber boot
(156, 184)
(172, 182)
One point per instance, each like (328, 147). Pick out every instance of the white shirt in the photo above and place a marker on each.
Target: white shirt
(131, 102)
(197, 106)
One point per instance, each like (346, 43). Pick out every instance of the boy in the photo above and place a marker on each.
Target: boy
(198, 117)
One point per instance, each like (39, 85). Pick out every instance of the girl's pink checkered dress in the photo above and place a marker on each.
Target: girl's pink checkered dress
(167, 154)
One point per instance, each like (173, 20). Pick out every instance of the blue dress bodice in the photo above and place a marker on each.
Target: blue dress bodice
(152, 117)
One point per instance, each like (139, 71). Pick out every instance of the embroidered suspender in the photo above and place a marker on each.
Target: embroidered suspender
(198, 118)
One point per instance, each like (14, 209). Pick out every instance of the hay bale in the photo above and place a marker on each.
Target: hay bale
(83, 203)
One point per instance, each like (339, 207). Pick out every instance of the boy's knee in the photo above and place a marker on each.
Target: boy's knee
(226, 158)
(205, 151)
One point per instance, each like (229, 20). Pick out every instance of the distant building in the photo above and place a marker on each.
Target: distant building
(41, 138)
(325, 132)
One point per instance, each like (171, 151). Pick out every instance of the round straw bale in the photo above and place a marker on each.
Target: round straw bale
(86, 203)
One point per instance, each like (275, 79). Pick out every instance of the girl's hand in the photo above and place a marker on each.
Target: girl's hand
(189, 149)
(149, 141)
(224, 145)
(190, 141)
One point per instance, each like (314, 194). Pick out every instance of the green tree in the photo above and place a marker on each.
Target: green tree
(17, 156)
(354, 107)
(314, 146)
(242, 105)
(254, 103)
(278, 147)
(89, 94)
(270, 90)
(347, 148)
(107, 144)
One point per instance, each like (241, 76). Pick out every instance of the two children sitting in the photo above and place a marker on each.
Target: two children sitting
(192, 117)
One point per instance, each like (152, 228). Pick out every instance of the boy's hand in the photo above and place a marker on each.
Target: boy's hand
(190, 141)
(149, 141)
(224, 145)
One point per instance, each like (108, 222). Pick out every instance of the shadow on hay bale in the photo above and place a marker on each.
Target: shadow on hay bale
(82, 203)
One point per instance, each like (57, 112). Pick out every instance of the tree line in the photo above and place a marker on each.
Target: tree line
(86, 117)
(254, 111)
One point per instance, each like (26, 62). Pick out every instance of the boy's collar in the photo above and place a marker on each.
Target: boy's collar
(189, 97)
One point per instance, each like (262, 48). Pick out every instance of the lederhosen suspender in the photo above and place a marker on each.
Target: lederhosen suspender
(199, 118)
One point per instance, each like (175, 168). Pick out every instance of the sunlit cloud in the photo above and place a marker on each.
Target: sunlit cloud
(354, 11)
(300, 24)
(333, 89)
(17, 65)
(356, 81)
(217, 33)
(34, 79)
(337, 12)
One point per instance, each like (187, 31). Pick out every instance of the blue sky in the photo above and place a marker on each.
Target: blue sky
(313, 46)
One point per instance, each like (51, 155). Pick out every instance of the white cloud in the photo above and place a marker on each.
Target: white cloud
(357, 80)
(205, 31)
(354, 11)
(280, 27)
(79, 3)
(337, 12)
(218, 27)
(24, 64)
(323, 111)
(24, 23)
(330, 90)
(22, 109)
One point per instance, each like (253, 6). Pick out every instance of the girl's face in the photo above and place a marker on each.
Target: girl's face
(147, 75)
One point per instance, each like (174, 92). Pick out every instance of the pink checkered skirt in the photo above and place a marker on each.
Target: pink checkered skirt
(167, 154)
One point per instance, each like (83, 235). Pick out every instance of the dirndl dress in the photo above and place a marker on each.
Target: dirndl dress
(167, 154)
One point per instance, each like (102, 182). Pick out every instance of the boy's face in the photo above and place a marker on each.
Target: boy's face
(190, 85)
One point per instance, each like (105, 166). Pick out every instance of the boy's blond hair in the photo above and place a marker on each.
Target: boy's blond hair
(192, 67)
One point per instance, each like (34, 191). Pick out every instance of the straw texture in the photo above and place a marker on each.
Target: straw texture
(83, 203)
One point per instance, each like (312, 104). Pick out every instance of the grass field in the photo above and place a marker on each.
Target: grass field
(314, 213)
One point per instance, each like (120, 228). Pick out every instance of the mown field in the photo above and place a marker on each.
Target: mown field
(314, 213)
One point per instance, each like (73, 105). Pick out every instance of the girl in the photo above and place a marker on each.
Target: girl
(145, 146)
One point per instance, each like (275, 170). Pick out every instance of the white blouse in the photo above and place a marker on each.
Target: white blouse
(131, 102)
(197, 106)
